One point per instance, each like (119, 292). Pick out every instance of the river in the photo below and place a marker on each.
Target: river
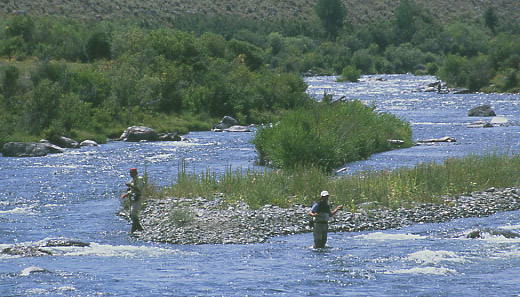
(75, 195)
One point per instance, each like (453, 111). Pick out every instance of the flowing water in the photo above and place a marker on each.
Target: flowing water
(75, 195)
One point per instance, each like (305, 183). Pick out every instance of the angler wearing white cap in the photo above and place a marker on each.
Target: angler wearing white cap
(320, 213)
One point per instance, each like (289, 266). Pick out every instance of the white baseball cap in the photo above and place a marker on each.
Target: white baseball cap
(324, 193)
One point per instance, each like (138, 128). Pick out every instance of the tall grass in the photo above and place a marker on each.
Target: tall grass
(423, 183)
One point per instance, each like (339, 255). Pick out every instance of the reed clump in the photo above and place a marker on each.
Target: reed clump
(424, 183)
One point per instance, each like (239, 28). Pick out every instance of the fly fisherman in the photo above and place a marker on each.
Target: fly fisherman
(134, 195)
(320, 212)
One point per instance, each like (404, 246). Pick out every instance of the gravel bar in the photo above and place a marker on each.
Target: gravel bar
(213, 221)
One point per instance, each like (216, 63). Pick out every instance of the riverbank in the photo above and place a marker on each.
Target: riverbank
(213, 221)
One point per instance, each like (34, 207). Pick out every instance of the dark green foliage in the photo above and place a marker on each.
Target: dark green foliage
(43, 106)
(246, 53)
(404, 58)
(21, 26)
(490, 18)
(328, 135)
(98, 46)
(474, 73)
(466, 40)
(350, 73)
(511, 80)
(404, 22)
(332, 15)
(210, 66)
(91, 86)
(52, 71)
(10, 81)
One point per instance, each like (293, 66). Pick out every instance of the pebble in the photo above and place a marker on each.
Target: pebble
(213, 221)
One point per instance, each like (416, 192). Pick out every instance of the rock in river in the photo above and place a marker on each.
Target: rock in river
(29, 149)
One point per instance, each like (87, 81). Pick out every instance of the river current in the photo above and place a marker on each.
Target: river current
(75, 195)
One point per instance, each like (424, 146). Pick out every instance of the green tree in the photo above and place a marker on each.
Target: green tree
(10, 81)
(98, 46)
(21, 26)
(43, 106)
(332, 14)
(490, 18)
(404, 22)
(350, 73)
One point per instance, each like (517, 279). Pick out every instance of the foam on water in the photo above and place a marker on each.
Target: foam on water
(387, 236)
(26, 210)
(120, 251)
(434, 257)
(442, 271)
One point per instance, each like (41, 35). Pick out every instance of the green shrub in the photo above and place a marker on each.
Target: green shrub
(332, 15)
(404, 58)
(98, 46)
(350, 73)
(364, 60)
(328, 135)
(52, 71)
(10, 82)
(21, 26)
(247, 53)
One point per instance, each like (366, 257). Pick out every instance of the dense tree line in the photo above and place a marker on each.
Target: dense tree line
(94, 78)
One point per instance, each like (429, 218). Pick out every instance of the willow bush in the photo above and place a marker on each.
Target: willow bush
(328, 135)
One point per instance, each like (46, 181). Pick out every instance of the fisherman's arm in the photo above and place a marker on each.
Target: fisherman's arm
(332, 213)
(312, 214)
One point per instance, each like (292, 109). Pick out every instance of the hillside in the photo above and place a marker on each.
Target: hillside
(359, 11)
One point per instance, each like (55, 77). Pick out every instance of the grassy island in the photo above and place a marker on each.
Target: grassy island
(403, 187)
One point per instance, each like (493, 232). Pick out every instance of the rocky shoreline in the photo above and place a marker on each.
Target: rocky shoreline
(213, 221)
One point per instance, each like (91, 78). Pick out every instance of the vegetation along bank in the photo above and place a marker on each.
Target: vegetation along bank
(89, 70)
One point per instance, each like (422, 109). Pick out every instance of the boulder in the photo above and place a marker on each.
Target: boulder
(460, 91)
(499, 121)
(225, 123)
(139, 133)
(480, 124)
(63, 242)
(395, 141)
(442, 139)
(483, 233)
(237, 128)
(66, 142)
(29, 149)
(88, 143)
(170, 136)
(53, 149)
(481, 111)
(25, 251)
(33, 269)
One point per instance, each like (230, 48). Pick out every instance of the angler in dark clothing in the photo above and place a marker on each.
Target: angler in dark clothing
(134, 194)
(320, 212)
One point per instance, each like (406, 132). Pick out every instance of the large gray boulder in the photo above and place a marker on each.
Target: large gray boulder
(29, 149)
(139, 133)
(66, 142)
(225, 123)
(481, 111)
(88, 143)
(170, 136)
(434, 140)
(237, 128)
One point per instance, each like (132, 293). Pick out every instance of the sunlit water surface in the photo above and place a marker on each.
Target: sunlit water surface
(75, 195)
